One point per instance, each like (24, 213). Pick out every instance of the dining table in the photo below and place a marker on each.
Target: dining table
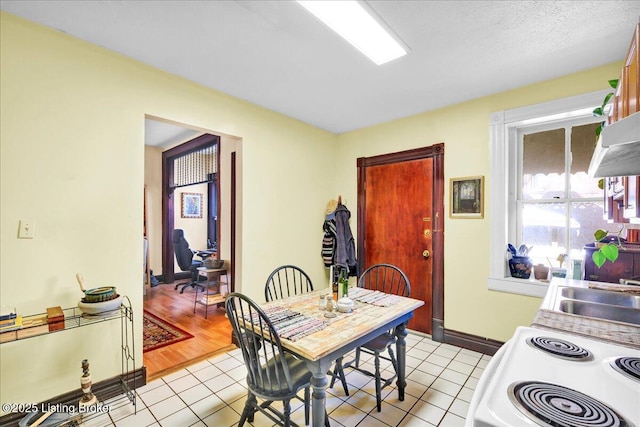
(319, 337)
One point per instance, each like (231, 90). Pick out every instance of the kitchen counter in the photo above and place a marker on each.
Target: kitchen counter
(565, 369)
(551, 318)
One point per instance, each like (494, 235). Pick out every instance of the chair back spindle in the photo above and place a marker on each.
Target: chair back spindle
(287, 281)
(385, 278)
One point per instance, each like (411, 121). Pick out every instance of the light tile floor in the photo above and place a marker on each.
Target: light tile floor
(440, 382)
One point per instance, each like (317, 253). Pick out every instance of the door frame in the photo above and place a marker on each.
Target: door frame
(436, 152)
(167, 197)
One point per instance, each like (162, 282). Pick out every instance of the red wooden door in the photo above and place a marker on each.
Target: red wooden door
(398, 224)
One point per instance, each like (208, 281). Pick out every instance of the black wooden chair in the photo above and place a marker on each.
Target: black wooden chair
(389, 279)
(272, 373)
(290, 280)
(286, 281)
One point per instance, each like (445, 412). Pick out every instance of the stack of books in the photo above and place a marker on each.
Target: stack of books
(33, 325)
(212, 299)
(10, 322)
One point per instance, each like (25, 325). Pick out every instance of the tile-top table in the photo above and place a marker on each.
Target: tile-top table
(343, 333)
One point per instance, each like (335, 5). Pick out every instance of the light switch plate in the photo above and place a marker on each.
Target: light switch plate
(26, 229)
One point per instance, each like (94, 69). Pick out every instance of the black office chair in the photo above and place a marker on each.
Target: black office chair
(272, 373)
(184, 257)
(389, 279)
(287, 281)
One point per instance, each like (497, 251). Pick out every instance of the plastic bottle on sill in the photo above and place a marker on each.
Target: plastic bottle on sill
(577, 269)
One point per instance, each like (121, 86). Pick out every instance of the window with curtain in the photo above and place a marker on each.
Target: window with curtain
(540, 192)
(558, 205)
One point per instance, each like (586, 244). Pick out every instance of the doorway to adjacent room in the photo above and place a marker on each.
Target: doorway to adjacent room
(194, 163)
(209, 215)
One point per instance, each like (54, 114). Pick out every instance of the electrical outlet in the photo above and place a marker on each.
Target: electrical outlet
(26, 229)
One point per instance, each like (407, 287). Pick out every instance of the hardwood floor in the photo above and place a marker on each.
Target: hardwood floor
(210, 336)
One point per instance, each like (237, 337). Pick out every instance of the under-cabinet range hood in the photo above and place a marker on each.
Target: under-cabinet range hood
(617, 152)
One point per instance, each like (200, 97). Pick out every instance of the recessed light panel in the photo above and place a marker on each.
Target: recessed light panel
(356, 25)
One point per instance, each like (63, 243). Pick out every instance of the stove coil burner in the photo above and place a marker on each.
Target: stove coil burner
(553, 405)
(629, 366)
(560, 348)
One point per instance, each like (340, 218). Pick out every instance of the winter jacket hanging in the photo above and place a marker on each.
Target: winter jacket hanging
(345, 254)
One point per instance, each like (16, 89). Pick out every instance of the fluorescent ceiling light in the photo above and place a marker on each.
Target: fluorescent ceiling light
(357, 25)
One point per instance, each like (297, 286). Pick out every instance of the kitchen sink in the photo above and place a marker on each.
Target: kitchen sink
(602, 297)
(615, 313)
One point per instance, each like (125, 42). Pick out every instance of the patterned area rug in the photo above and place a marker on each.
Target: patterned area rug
(157, 333)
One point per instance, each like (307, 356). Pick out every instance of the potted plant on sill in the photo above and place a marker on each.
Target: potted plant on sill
(606, 250)
(519, 262)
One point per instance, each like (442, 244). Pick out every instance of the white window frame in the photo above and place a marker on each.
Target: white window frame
(504, 127)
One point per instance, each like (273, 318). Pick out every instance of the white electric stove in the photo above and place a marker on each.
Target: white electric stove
(546, 378)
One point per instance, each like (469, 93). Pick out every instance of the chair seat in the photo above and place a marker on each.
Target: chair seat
(381, 342)
(300, 378)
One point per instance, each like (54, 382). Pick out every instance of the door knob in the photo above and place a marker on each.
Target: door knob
(426, 253)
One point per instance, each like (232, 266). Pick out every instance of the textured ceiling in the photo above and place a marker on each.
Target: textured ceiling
(277, 55)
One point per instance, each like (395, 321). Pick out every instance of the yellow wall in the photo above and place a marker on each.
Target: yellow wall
(153, 184)
(72, 160)
(464, 129)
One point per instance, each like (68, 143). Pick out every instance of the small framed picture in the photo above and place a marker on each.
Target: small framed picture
(191, 205)
(467, 197)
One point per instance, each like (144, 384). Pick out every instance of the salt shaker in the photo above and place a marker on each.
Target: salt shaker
(322, 305)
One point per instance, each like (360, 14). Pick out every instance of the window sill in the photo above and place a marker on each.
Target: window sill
(532, 288)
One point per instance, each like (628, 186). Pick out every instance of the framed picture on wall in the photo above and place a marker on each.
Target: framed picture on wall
(467, 197)
(191, 205)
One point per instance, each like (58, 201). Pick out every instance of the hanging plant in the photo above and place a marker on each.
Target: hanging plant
(600, 111)
(609, 251)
